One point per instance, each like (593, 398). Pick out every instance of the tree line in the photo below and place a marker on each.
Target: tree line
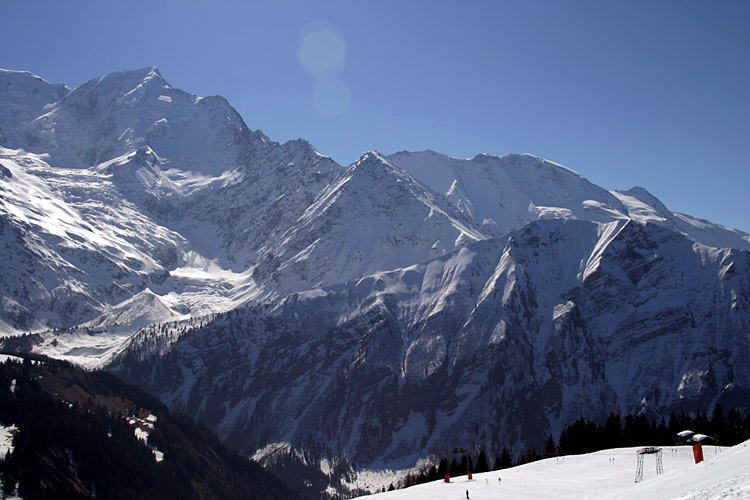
(727, 428)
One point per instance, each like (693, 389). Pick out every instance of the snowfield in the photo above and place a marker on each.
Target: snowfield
(608, 474)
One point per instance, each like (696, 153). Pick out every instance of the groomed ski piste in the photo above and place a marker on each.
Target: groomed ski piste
(608, 474)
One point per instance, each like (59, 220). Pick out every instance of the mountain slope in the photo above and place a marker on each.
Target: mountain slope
(23, 98)
(72, 243)
(498, 344)
(87, 434)
(203, 224)
(207, 214)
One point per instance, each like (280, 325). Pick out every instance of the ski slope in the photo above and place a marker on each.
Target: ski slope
(609, 474)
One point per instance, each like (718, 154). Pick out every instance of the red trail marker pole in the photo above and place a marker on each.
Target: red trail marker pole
(698, 452)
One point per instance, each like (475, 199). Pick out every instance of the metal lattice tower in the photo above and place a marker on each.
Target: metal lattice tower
(639, 465)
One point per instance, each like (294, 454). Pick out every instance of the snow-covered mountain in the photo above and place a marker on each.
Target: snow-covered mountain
(504, 193)
(183, 198)
(351, 317)
(373, 217)
(500, 343)
(118, 113)
(210, 214)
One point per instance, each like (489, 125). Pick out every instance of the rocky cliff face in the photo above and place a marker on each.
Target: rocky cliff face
(498, 344)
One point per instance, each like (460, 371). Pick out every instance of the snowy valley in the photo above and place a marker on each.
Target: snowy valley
(347, 319)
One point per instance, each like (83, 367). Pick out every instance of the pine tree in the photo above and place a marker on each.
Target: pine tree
(733, 431)
(442, 467)
(612, 432)
(482, 464)
(663, 436)
(550, 449)
(504, 461)
(530, 455)
(718, 424)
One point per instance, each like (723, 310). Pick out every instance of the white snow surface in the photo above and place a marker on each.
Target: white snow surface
(6, 445)
(142, 428)
(609, 474)
(6, 439)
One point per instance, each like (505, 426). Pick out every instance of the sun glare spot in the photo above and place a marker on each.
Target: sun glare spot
(322, 52)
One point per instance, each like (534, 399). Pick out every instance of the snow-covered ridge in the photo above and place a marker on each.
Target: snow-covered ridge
(118, 113)
(504, 193)
(644, 207)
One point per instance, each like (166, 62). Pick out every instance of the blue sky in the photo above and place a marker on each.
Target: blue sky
(651, 93)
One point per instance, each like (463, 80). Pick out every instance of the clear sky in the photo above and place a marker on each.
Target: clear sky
(653, 93)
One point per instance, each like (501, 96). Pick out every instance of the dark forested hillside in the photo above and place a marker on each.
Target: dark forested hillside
(75, 436)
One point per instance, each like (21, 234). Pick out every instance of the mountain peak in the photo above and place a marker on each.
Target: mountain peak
(372, 156)
(144, 73)
(653, 204)
(528, 159)
(117, 113)
(643, 194)
(426, 152)
(377, 168)
(301, 144)
(12, 73)
(126, 82)
(23, 97)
